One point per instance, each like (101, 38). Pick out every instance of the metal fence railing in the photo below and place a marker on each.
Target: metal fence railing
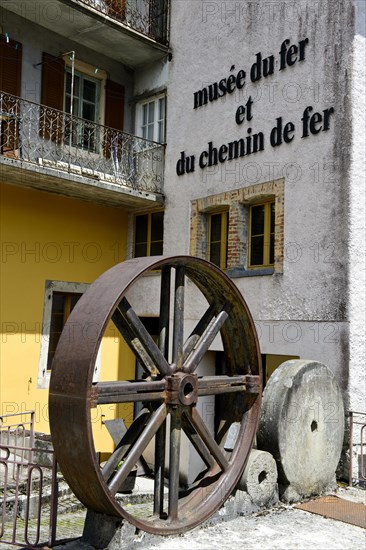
(357, 447)
(149, 17)
(28, 485)
(53, 139)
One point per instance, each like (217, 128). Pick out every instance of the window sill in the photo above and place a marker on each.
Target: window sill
(237, 272)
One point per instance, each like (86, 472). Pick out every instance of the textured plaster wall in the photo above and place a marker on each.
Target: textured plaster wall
(207, 39)
(357, 234)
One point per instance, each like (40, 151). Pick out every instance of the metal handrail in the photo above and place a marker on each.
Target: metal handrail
(149, 17)
(54, 139)
(352, 423)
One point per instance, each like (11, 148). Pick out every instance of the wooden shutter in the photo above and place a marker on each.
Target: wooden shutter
(10, 66)
(10, 80)
(114, 112)
(52, 96)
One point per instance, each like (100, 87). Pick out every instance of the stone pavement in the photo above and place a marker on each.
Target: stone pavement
(281, 527)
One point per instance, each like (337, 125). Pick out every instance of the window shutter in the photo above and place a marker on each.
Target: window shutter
(114, 112)
(10, 66)
(52, 96)
(10, 80)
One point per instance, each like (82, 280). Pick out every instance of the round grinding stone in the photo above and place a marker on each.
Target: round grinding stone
(302, 426)
(259, 479)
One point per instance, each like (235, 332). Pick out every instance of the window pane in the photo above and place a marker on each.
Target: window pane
(271, 250)
(150, 132)
(141, 228)
(215, 228)
(257, 226)
(162, 108)
(156, 248)
(140, 250)
(272, 217)
(161, 129)
(90, 91)
(256, 251)
(88, 111)
(151, 112)
(144, 115)
(157, 226)
(215, 253)
(62, 305)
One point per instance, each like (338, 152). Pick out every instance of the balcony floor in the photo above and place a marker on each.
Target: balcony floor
(92, 29)
(25, 174)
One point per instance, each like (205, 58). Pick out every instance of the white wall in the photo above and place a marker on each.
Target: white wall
(357, 233)
(207, 39)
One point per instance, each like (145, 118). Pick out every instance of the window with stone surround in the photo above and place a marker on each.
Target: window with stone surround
(59, 300)
(240, 204)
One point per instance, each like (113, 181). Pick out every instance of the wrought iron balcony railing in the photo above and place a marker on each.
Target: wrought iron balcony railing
(47, 137)
(150, 17)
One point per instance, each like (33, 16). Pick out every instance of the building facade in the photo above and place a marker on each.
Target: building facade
(266, 170)
(82, 133)
(260, 105)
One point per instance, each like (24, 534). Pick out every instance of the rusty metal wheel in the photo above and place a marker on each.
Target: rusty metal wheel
(170, 392)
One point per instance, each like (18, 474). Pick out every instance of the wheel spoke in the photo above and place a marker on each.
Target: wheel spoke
(164, 311)
(197, 443)
(205, 341)
(137, 328)
(127, 440)
(152, 426)
(174, 456)
(198, 331)
(159, 470)
(133, 342)
(214, 385)
(178, 325)
(201, 428)
(104, 393)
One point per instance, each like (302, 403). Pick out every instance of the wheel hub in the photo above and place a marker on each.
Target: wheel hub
(182, 389)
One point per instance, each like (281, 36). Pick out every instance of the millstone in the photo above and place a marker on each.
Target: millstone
(302, 425)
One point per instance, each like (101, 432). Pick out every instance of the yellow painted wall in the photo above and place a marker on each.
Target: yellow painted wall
(50, 237)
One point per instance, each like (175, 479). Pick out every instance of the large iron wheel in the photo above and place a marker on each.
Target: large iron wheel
(169, 393)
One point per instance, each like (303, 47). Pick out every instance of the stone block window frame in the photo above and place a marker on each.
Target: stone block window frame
(58, 287)
(238, 202)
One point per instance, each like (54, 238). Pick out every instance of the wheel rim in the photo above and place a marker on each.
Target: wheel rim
(172, 394)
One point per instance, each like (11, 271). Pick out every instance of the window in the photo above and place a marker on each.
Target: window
(151, 119)
(250, 241)
(62, 305)
(149, 229)
(218, 238)
(96, 99)
(59, 300)
(261, 239)
(85, 105)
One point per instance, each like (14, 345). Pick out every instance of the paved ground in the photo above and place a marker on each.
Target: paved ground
(281, 527)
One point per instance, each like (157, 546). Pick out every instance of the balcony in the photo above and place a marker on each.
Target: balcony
(51, 150)
(134, 32)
